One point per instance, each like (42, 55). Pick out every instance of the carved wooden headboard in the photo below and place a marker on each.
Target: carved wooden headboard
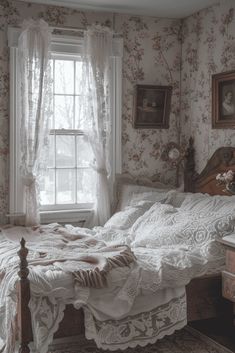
(221, 161)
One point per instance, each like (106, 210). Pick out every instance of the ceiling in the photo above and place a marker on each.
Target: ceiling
(158, 8)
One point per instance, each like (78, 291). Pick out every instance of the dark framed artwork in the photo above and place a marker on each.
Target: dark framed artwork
(152, 107)
(223, 100)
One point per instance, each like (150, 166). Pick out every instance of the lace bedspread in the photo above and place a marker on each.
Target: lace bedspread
(138, 329)
(53, 250)
(167, 259)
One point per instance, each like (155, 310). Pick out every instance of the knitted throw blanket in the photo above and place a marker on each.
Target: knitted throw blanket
(88, 259)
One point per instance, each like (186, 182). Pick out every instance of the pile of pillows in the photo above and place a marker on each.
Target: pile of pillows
(133, 202)
(162, 217)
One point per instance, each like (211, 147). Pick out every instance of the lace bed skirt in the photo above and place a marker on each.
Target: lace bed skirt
(135, 329)
(140, 329)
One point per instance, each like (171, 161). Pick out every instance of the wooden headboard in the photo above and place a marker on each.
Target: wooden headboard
(221, 161)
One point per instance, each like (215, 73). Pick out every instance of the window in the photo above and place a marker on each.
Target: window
(70, 179)
(67, 189)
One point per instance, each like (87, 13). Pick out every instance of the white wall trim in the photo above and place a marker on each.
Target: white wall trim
(118, 116)
(16, 202)
(154, 8)
(64, 44)
(66, 216)
(13, 92)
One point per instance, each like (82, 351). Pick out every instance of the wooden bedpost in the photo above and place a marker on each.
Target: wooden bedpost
(24, 315)
(189, 168)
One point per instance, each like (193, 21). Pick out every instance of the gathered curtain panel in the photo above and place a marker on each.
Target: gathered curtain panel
(35, 110)
(95, 112)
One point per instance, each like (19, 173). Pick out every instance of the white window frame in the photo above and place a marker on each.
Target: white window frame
(72, 46)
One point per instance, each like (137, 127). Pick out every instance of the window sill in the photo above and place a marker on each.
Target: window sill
(78, 217)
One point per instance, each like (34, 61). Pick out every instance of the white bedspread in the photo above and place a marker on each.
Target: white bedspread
(52, 288)
(120, 316)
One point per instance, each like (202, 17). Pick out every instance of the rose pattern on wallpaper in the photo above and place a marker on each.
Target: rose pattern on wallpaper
(180, 53)
(152, 51)
(141, 148)
(208, 47)
(13, 13)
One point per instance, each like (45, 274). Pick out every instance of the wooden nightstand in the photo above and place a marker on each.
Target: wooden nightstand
(228, 276)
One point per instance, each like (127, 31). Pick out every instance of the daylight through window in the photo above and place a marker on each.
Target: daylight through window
(69, 178)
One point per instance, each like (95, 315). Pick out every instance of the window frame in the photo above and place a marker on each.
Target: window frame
(65, 132)
(69, 46)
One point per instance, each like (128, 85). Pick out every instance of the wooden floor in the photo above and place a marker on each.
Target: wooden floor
(221, 331)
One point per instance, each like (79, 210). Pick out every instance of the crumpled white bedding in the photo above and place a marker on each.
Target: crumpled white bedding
(52, 289)
(160, 273)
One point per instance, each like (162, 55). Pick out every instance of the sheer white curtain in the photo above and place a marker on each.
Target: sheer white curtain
(36, 96)
(95, 112)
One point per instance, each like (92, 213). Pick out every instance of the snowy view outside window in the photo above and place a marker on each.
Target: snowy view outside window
(69, 179)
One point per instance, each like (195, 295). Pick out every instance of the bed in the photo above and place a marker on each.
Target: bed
(204, 303)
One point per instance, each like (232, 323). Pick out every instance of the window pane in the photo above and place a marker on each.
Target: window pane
(80, 124)
(65, 186)
(51, 115)
(64, 76)
(65, 151)
(78, 77)
(69, 179)
(63, 112)
(47, 188)
(51, 157)
(84, 152)
(86, 183)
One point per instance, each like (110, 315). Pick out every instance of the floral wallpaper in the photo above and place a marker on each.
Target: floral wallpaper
(152, 51)
(152, 54)
(208, 47)
(181, 53)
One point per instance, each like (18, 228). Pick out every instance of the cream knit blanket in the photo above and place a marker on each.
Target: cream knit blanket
(88, 259)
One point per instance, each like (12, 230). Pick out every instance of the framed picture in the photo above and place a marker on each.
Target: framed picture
(223, 100)
(152, 107)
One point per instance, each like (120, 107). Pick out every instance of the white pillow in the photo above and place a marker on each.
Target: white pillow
(151, 196)
(176, 198)
(130, 191)
(171, 226)
(126, 218)
(158, 215)
(205, 203)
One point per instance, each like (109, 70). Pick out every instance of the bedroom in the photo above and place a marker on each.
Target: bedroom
(182, 53)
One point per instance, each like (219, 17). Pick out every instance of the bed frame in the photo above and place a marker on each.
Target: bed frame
(204, 298)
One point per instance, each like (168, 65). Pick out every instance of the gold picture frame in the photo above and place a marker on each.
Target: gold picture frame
(223, 100)
(152, 107)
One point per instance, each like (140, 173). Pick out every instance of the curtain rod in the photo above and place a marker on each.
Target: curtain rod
(82, 30)
(74, 29)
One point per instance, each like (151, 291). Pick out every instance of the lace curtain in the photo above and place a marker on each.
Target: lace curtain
(36, 97)
(95, 112)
